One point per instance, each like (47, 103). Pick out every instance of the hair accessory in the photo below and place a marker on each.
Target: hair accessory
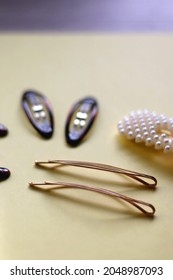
(150, 128)
(39, 113)
(142, 178)
(80, 119)
(4, 173)
(3, 130)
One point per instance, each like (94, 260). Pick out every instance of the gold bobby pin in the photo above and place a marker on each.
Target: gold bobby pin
(48, 185)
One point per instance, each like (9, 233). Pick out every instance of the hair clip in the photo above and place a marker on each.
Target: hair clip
(142, 178)
(3, 130)
(39, 113)
(4, 173)
(80, 119)
(150, 128)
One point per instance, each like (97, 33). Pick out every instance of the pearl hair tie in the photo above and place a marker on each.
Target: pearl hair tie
(150, 128)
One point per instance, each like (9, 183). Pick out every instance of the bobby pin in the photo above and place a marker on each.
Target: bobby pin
(48, 185)
(103, 167)
(140, 205)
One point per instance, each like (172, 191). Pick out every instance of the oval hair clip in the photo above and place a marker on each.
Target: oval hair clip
(3, 130)
(4, 173)
(39, 112)
(80, 120)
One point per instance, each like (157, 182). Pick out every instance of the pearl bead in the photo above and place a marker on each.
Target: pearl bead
(143, 124)
(129, 127)
(144, 129)
(130, 135)
(145, 134)
(122, 131)
(166, 141)
(158, 145)
(157, 123)
(164, 122)
(156, 138)
(163, 135)
(136, 126)
(151, 127)
(149, 142)
(167, 149)
(137, 131)
(150, 123)
(153, 132)
(127, 123)
(138, 138)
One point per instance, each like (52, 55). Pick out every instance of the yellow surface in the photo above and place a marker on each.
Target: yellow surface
(124, 72)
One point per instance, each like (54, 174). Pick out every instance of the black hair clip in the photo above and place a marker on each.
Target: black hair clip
(4, 173)
(39, 112)
(145, 179)
(3, 130)
(80, 120)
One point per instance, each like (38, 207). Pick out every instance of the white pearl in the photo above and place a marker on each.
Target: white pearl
(157, 123)
(150, 123)
(163, 135)
(136, 126)
(122, 131)
(143, 124)
(120, 126)
(166, 141)
(126, 118)
(158, 145)
(139, 112)
(144, 129)
(167, 149)
(145, 134)
(137, 130)
(130, 135)
(154, 114)
(127, 123)
(148, 142)
(146, 112)
(138, 138)
(132, 114)
(129, 128)
(153, 132)
(156, 138)
(151, 127)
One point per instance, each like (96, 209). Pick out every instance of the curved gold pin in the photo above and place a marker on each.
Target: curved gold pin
(139, 204)
(140, 177)
(147, 180)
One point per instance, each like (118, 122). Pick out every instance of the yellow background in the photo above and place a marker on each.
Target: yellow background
(124, 73)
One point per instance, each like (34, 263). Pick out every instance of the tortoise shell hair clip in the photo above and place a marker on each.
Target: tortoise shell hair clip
(80, 120)
(147, 180)
(39, 112)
